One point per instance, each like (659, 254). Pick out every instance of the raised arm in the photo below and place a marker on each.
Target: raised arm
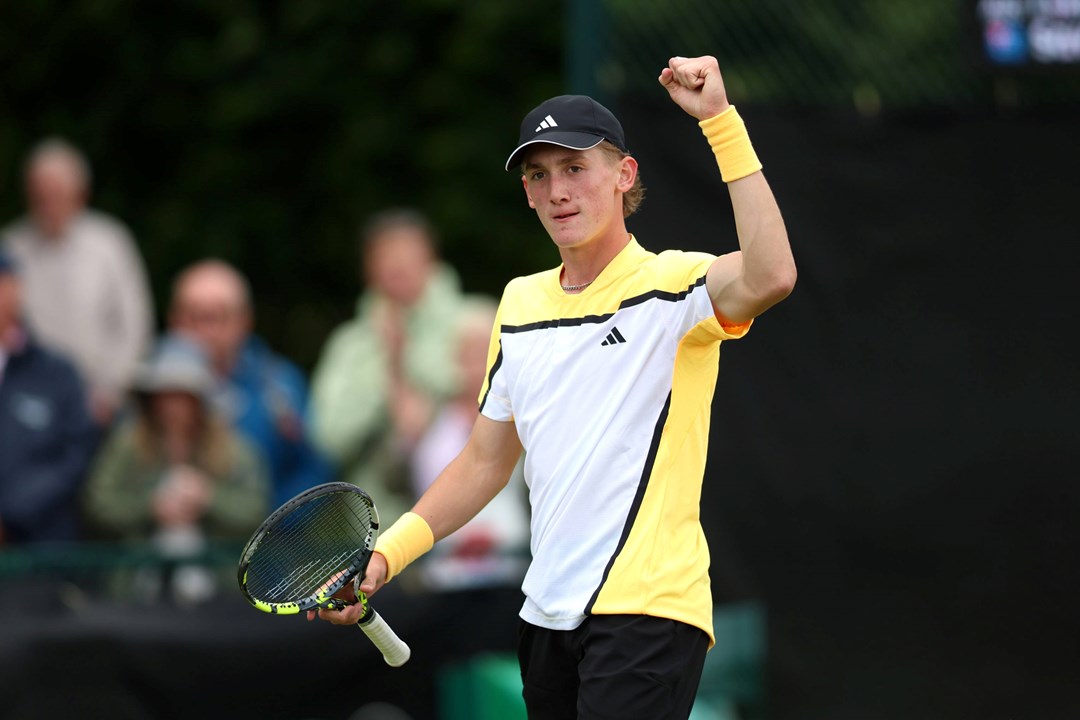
(745, 283)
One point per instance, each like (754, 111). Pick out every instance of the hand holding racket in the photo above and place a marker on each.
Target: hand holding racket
(346, 610)
(308, 550)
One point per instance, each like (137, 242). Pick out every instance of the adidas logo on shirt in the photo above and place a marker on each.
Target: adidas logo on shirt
(613, 338)
(548, 122)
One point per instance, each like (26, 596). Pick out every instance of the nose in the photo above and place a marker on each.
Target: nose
(560, 189)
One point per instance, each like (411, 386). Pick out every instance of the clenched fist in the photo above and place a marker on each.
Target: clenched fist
(695, 85)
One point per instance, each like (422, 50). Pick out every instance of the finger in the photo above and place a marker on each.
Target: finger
(348, 615)
(333, 616)
(667, 75)
(690, 75)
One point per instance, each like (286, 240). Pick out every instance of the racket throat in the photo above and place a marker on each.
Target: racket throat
(369, 615)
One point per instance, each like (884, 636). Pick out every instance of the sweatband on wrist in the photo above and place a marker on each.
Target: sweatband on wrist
(730, 144)
(404, 541)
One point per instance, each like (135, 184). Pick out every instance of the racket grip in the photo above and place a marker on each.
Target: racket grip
(394, 650)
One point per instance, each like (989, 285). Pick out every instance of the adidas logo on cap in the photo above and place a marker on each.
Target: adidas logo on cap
(548, 122)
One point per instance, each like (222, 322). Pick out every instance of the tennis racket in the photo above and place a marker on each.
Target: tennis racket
(308, 549)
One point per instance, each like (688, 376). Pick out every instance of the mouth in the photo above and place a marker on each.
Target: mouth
(564, 216)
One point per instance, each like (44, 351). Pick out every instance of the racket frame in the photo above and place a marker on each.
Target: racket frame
(321, 597)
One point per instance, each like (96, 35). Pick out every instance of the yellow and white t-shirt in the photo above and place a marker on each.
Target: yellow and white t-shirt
(611, 393)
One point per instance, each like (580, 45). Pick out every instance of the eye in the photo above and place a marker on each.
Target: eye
(536, 175)
(575, 169)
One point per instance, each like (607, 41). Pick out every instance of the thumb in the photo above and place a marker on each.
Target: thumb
(367, 585)
(370, 583)
(667, 75)
(667, 79)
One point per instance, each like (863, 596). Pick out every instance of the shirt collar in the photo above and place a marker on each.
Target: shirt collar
(631, 255)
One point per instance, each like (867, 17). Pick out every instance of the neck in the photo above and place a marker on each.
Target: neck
(54, 229)
(583, 264)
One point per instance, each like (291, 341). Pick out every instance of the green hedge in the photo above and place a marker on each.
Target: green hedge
(266, 132)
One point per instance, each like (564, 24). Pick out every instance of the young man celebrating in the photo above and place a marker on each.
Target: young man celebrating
(603, 370)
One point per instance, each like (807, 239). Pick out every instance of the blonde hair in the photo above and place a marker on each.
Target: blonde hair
(632, 198)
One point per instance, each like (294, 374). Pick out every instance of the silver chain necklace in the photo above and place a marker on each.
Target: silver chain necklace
(572, 288)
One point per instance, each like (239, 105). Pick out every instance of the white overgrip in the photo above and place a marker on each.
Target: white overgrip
(394, 650)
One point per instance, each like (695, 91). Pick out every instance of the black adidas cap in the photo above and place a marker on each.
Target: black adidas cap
(571, 121)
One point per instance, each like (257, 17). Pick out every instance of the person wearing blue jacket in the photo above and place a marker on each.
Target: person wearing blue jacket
(263, 394)
(47, 437)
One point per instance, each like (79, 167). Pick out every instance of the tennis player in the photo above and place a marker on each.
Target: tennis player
(603, 371)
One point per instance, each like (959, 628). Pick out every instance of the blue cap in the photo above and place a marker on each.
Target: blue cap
(7, 264)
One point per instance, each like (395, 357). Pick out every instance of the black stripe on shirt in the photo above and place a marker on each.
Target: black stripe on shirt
(596, 319)
(635, 506)
(491, 374)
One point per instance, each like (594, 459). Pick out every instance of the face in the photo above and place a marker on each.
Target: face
(55, 192)
(176, 412)
(10, 305)
(398, 264)
(209, 307)
(577, 194)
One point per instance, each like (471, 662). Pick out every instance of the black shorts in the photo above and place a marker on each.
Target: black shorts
(618, 667)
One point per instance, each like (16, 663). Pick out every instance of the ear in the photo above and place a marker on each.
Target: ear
(525, 184)
(628, 169)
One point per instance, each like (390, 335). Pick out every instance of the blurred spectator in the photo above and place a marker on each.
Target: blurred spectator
(46, 435)
(492, 548)
(380, 375)
(261, 393)
(87, 292)
(174, 472)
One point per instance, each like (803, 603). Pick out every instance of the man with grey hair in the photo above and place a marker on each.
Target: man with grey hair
(263, 394)
(87, 293)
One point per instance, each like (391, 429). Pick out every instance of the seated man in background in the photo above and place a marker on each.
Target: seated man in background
(46, 435)
(173, 472)
(86, 289)
(261, 393)
(380, 375)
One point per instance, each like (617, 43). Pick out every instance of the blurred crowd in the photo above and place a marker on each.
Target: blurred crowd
(113, 429)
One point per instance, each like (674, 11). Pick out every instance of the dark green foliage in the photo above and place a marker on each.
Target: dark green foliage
(266, 132)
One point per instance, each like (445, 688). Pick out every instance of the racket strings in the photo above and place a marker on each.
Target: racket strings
(311, 546)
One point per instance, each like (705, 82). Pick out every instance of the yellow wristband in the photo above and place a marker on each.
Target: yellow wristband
(404, 541)
(731, 145)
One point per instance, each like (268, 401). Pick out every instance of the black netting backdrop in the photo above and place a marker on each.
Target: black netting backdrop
(870, 55)
(894, 447)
